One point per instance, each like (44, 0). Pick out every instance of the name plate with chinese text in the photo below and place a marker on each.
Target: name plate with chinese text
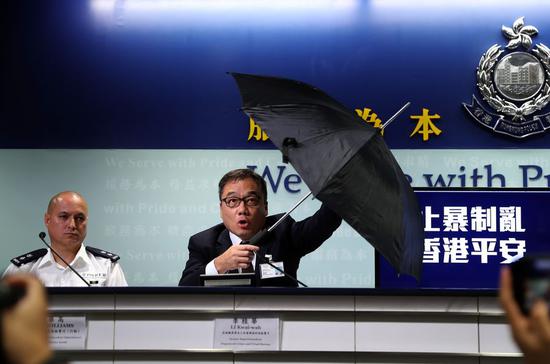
(68, 332)
(247, 333)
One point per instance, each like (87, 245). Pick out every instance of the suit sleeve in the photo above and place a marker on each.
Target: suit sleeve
(195, 266)
(308, 234)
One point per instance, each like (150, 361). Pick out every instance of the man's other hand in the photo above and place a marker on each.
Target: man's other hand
(531, 333)
(25, 325)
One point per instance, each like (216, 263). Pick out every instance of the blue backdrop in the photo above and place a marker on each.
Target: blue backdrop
(97, 75)
(152, 74)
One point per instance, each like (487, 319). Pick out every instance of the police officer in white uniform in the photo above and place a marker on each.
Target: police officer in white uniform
(66, 221)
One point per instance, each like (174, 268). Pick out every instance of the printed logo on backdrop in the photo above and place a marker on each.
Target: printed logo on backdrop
(425, 125)
(255, 132)
(514, 83)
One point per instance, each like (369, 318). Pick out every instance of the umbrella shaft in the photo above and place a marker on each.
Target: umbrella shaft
(288, 213)
(395, 115)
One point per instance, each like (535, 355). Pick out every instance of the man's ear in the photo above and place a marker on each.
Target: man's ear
(47, 218)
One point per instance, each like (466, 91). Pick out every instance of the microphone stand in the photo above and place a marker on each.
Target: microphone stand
(260, 235)
(42, 235)
(266, 261)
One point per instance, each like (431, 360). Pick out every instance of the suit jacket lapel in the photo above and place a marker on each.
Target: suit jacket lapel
(223, 243)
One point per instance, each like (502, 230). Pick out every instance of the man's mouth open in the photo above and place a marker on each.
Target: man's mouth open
(243, 224)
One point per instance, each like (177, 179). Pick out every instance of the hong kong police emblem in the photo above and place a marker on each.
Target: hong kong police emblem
(515, 83)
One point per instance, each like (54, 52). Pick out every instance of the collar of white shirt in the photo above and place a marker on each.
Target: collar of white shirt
(81, 258)
(234, 239)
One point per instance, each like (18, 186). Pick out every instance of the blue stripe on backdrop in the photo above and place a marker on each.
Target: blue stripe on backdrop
(152, 74)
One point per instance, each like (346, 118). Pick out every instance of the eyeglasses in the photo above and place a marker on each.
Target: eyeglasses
(250, 201)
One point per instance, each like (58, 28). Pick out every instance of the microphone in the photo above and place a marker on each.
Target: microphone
(42, 235)
(296, 280)
(255, 240)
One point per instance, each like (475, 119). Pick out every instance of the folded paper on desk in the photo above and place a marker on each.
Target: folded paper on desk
(229, 279)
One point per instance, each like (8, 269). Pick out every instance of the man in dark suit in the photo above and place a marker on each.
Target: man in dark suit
(243, 209)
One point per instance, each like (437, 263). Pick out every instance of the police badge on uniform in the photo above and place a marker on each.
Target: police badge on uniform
(515, 83)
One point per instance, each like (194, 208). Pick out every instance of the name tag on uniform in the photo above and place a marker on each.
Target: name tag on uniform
(95, 279)
(268, 271)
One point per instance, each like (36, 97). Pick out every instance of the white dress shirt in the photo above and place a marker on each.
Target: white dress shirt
(211, 268)
(98, 271)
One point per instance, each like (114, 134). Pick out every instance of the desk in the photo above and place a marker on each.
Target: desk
(176, 324)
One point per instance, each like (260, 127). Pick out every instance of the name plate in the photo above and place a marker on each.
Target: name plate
(247, 333)
(68, 332)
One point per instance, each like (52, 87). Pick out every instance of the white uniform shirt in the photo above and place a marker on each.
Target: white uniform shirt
(98, 271)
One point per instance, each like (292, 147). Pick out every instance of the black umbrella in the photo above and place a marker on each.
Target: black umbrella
(344, 162)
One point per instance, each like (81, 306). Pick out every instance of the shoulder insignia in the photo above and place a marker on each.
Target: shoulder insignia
(103, 253)
(29, 257)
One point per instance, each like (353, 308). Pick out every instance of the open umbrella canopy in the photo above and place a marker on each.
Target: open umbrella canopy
(344, 162)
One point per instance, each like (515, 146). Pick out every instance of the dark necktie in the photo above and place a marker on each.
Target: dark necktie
(249, 269)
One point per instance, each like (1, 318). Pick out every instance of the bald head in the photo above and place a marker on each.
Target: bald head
(66, 220)
(65, 196)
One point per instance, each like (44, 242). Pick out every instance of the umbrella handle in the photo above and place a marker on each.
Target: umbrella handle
(256, 238)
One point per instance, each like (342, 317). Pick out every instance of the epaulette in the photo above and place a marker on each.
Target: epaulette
(103, 253)
(29, 257)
